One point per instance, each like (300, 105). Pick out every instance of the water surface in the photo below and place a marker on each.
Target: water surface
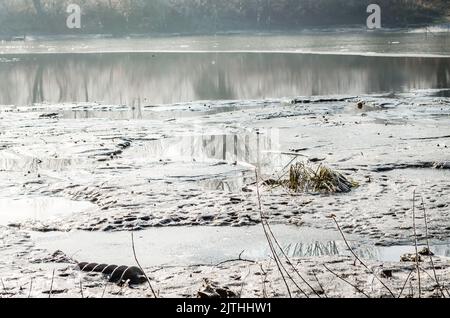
(211, 245)
(355, 41)
(160, 78)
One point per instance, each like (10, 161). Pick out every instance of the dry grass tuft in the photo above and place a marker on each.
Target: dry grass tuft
(304, 178)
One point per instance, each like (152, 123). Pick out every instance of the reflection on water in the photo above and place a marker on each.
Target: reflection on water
(365, 251)
(331, 248)
(180, 77)
(252, 148)
(312, 249)
(229, 158)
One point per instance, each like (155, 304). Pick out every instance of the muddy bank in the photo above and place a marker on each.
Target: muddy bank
(31, 274)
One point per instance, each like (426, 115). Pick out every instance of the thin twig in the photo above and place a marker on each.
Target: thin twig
(291, 278)
(275, 256)
(432, 278)
(343, 279)
(137, 262)
(239, 259)
(429, 249)
(243, 283)
(104, 290)
(81, 288)
(284, 173)
(415, 243)
(51, 285)
(320, 285)
(404, 285)
(264, 281)
(411, 289)
(209, 264)
(290, 262)
(359, 260)
(31, 288)
(270, 235)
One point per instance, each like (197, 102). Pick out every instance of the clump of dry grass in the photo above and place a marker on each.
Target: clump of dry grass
(304, 178)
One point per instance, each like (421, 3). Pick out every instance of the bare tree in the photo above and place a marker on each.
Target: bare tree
(38, 7)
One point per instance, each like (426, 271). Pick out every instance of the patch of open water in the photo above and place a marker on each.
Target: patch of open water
(15, 210)
(210, 245)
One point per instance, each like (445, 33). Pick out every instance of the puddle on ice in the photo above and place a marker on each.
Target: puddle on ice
(38, 208)
(207, 245)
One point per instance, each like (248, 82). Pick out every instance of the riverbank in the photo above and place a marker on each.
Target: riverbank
(98, 168)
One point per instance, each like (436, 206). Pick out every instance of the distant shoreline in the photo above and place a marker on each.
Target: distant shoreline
(392, 43)
(189, 17)
(344, 28)
(359, 54)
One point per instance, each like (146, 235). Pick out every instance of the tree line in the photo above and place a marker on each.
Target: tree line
(168, 16)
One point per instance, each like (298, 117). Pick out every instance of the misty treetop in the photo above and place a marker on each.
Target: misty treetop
(168, 16)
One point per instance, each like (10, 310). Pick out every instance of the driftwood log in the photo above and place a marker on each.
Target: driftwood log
(116, 274)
